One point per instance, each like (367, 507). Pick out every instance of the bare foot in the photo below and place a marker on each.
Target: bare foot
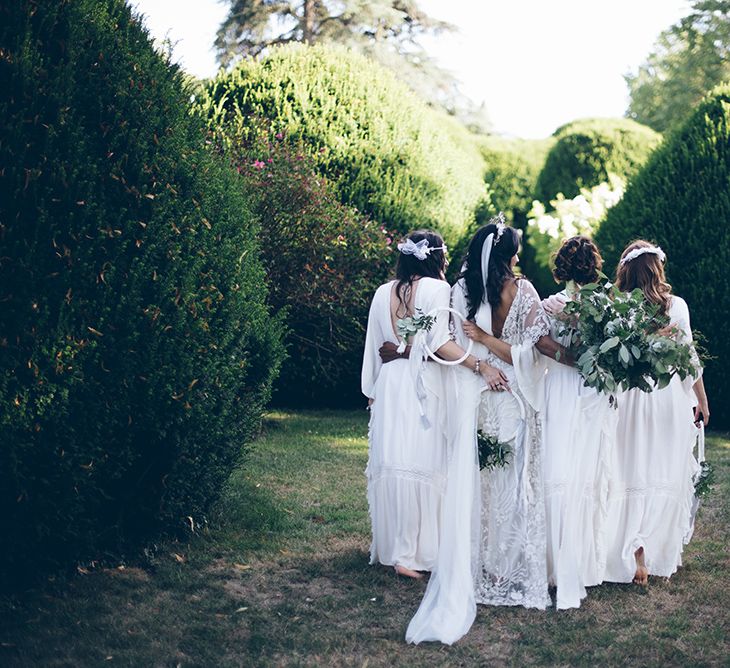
(641, 577)
(407, 572)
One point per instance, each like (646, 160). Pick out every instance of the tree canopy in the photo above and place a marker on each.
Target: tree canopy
(386, 30)
(689, 59)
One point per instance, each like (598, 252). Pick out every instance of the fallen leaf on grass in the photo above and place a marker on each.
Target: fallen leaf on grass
(178, 557)
(242, 567)
(241, 609)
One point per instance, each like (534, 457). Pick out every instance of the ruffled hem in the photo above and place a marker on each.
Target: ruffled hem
(404, 513)
(658, 520)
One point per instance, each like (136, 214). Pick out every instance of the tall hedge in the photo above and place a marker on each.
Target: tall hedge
(389, 154)
(681, 200)
(588, 150)
(136, 350)
(512, 169)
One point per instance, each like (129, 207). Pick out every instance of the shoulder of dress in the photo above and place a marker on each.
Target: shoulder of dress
(384, 288)
(677, 302)
(435, 284)
(525, 285)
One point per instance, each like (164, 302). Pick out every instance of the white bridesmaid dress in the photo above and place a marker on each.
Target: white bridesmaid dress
(578, 427)
(406, 470)
(651, 496)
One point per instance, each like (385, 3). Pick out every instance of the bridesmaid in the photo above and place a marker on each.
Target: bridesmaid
(407, 444)
(651, 494)
(578, 427)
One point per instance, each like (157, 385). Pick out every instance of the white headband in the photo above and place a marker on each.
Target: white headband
(637, 252)
(421, 250)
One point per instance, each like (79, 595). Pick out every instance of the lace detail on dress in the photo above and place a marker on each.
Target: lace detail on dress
(526, 320)
(512, 552)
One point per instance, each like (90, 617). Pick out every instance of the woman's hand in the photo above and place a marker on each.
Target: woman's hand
(702, 412)
(671, 330)
(474, 332)
(554, 304)
(494, 378)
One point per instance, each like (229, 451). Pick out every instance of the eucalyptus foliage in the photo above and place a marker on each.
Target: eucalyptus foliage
(615, 339)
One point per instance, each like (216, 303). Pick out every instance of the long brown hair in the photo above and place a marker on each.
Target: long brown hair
(645, 272)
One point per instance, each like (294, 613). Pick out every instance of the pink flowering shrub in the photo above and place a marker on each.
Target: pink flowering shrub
(323, 260)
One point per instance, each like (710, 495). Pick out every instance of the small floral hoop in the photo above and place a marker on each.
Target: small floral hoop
(431, 354)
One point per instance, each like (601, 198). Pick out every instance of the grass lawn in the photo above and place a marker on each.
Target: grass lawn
(283, 578)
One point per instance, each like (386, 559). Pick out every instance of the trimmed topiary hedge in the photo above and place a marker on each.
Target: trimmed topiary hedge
(136, 350)
(681, 200)
(389, 155)
(587, 151)
(512, 167)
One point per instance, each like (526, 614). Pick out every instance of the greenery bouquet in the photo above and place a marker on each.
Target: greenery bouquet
(622, 341)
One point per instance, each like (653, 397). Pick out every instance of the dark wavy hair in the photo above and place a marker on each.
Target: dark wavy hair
(578, 259)
(409, 267)
(499, 266)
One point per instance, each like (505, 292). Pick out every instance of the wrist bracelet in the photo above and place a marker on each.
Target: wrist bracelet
(476, 366)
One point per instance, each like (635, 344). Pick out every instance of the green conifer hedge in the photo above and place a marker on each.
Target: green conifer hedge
(681, 200)
(136, 350)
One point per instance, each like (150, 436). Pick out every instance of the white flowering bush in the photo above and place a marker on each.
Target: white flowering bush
(570, 217)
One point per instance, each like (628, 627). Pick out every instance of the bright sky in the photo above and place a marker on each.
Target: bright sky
(535, 63)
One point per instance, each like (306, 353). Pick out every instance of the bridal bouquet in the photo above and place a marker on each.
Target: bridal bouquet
(408, 327)
(617, 341)
(492, 453)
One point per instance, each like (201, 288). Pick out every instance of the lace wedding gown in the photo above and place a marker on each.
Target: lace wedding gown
(578, 428)
(651, 496)
(512, 568)
(406, 470)
(492, 548)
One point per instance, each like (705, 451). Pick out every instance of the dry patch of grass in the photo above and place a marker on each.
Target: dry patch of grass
(284, 579)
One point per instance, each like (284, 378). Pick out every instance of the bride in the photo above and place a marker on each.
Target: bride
(494, 554)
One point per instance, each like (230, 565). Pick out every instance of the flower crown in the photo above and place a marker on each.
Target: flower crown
(419, 249)
(637, 252)
(500, 221)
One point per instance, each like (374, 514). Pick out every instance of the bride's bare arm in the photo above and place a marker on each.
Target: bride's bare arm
(546, 345)
(497, 346)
